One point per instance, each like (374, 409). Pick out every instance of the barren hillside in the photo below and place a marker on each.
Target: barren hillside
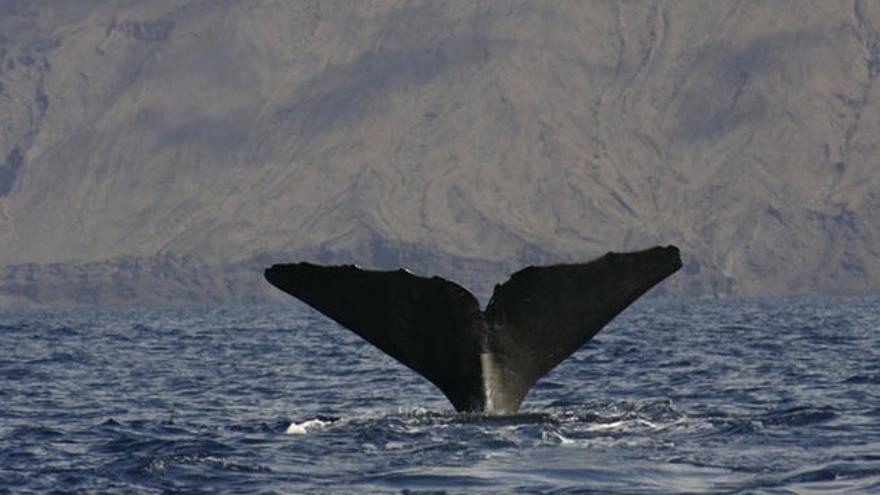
(165, 151)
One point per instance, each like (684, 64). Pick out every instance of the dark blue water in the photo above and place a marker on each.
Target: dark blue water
(672, 397)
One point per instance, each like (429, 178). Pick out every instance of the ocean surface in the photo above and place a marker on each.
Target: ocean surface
(697, 396)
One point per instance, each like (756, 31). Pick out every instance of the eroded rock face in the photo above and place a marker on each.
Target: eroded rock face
(463, 140)
(9, 170)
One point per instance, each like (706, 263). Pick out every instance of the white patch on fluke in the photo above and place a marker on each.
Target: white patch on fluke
(490, 376)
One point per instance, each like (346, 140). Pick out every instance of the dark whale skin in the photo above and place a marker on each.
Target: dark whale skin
(482, 360)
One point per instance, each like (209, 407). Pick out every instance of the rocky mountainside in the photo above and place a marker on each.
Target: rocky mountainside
(165, 151)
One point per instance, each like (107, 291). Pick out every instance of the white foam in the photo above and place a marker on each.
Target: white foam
(621, 425)
(306, 426)
(556, 438)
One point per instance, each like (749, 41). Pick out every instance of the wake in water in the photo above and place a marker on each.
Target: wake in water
(587, 424)
(713, 449)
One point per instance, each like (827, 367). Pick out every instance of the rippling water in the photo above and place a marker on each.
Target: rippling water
(672, 397)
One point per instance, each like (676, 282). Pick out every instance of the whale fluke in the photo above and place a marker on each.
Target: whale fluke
(482, 360)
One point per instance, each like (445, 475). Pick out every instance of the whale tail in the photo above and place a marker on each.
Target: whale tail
(482, 360)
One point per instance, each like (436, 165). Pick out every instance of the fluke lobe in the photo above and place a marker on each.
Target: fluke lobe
(482, 360)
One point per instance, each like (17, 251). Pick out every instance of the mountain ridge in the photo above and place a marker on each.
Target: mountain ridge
(460, 139)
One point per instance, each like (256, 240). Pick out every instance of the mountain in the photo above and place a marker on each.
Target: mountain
(166, 151)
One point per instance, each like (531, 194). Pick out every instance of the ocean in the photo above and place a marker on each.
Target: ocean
(674, 396)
